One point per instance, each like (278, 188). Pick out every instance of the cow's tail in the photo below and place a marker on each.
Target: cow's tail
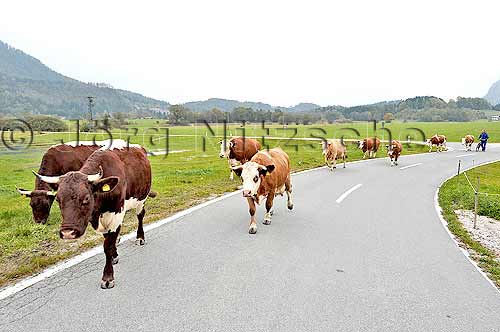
(152, 194)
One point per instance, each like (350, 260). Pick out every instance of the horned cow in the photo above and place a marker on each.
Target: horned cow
(238, 150)
(266, 175)
(333, 150)
(57, 160)
(109, 183)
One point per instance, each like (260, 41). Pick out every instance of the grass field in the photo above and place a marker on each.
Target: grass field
(456, 193)
(181, 178)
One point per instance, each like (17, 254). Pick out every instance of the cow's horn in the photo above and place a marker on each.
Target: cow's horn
(95, 177)
(47, 179)
(23, 192)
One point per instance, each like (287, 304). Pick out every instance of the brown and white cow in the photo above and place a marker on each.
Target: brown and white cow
(468, 140)
(439, 141)
(238, 150)
(266, 175)
(333, 150)
(394, 151)
(58, 160)
(110, 183)
(369, 146)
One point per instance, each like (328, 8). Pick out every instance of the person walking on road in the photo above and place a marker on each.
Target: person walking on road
(483, 138)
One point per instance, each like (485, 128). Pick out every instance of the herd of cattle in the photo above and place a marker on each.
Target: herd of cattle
(99, 182)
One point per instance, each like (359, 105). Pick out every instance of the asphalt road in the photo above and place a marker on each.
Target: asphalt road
(377, 260)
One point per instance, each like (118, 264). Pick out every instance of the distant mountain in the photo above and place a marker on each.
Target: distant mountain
(493, 95)
(227, 105)
(28, 86)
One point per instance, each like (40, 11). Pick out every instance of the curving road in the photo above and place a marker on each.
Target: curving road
(363, 250)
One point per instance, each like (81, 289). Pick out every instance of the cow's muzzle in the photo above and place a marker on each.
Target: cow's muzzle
(69, 234)
(247, 193)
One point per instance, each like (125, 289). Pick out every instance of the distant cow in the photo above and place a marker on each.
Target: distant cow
(111, 182)
(394, 151)
(333, 150)
(439, 141)
(467, 141)
(369, 146)
(238, 150)
(58, 160)
(267, 174)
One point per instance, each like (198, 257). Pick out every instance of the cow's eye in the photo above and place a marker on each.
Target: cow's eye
(86, 200)
(255, 179)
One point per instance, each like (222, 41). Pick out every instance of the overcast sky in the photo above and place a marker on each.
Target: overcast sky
(279, 52)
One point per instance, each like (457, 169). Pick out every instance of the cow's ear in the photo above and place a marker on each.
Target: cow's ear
(106, 185)
(266, 170)
(237, 170)
(232, 144)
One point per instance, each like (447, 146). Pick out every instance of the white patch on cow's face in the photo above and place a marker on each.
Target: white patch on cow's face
(360, 144)
(224, 148)
(251, 177)
(110, 221)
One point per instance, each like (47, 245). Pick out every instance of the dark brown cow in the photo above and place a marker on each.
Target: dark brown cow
(394, 151)
(238, 150)
(110, 183)
(58, 160)
(468, 140)
(267, 174)
(369, 145)
(439, 141)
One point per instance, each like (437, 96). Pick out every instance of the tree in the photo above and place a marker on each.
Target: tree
(177, 114)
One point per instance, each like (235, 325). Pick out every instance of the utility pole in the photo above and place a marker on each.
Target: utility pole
(90, 105)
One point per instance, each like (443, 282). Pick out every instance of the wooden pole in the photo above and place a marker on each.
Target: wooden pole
(476, 203)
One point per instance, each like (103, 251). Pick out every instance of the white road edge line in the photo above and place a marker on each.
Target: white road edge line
(348, 192)
(464, 155)
(444, 223)
(50, 271)
(409, 166)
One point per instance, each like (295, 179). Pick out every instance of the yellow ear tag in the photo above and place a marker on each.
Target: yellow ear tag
(267, 174)
(106, 187)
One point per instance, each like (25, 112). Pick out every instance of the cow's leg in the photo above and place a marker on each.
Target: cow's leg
(288, 188)
(396, 160)
(252, 229)
(231, 174)
(140, 240)
(108, 280)
(343, 159)
(269, 206)
(334, 163)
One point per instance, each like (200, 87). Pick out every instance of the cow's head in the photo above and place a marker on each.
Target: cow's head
(40, 202)
(361, 144)
(225, 147)
(76, 195)
(251, 174)
(324, 146)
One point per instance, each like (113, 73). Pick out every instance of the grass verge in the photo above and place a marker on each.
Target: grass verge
(456, 194)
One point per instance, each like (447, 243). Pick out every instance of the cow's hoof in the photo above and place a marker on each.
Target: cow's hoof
(115, 260)
(267, 222)
(252, 229)
(107, 284)
(140, 242)
(290, 207)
